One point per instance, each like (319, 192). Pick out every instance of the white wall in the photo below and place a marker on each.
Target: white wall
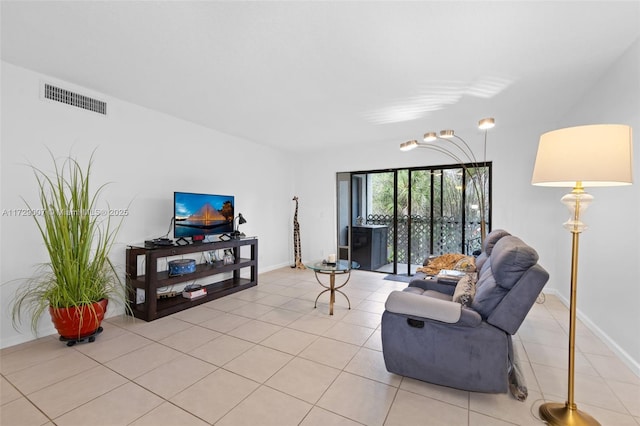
(609, 268)
(146, 155)
(609, 254)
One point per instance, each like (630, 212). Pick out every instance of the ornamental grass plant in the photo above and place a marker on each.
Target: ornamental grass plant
(78, 239)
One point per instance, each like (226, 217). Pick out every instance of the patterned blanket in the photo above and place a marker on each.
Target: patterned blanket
(446, 261)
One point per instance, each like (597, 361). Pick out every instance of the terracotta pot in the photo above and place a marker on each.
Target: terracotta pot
(78, 322)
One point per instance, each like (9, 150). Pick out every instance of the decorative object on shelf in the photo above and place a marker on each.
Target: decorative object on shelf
(211, 257)
(181, 267)
(579, 157)
(240, 221)
(228, 258)
(463, 154)
(194, 291)
(297, 249)
(79, 278)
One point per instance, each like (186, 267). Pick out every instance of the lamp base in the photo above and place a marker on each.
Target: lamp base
(557, 414)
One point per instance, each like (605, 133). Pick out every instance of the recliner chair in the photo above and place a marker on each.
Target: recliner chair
(428, 336)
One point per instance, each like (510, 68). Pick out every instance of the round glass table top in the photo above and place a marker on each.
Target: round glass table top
(339, 266)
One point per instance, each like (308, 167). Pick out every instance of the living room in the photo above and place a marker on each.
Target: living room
(149, 151)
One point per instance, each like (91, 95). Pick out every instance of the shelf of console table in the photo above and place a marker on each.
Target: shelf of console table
(151, 279)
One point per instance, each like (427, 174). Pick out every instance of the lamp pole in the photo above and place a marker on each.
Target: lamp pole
(567, 414)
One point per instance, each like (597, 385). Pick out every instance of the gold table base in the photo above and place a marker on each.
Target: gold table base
(332, 288)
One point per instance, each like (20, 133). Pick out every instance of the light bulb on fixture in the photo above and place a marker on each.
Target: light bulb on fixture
(446, 134)
(409, 145)
(430, 137)
(486, 123)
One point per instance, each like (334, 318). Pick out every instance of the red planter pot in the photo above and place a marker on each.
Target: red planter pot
(78, 322)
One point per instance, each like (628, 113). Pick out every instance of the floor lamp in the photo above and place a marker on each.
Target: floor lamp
(579, 157)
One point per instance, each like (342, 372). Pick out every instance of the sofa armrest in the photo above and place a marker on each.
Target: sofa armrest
(430, 308)
(402, 302)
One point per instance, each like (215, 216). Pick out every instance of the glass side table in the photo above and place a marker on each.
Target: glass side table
(341, 267)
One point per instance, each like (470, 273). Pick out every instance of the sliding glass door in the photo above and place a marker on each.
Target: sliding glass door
(392, 220)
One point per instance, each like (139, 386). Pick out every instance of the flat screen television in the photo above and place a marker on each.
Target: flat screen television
(202, 214)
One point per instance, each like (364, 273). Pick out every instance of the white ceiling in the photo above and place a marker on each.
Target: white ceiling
(304, 75)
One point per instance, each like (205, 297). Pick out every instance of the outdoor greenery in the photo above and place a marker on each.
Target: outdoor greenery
(78, 240)
(447, 185)
(438, 188)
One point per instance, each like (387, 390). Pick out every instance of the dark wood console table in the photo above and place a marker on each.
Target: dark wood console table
(153, 308)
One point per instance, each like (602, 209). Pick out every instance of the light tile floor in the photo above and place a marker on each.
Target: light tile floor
(265, 356)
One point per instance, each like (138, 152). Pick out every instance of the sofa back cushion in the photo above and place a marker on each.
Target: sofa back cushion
(492, 238)
(487, 246)
(510, 258)
(488, 294)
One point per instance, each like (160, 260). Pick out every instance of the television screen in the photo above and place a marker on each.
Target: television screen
(202, 214)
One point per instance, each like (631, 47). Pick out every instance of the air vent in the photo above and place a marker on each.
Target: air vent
(74, 99)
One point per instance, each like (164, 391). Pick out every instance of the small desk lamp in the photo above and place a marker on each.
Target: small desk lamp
(579, 157)
(236, 233)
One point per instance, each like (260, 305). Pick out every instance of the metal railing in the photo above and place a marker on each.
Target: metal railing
(429, 236)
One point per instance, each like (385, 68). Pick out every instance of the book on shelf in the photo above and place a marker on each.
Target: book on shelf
(194, 294)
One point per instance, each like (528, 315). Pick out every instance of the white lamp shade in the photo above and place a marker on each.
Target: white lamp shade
(594, 155)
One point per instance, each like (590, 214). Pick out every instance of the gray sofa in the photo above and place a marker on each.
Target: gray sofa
(428, 336)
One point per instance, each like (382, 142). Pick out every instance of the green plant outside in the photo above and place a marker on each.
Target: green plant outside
(78, 242)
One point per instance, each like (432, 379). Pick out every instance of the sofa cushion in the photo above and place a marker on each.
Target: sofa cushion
(488, 294)
(487, 246)
(428, 293)
(492, 238)
(437, 295)
(465, 291)
(510, 259)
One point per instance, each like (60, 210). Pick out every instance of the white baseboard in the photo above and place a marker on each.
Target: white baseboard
(27, 337)
(273, 268)
(621, 353)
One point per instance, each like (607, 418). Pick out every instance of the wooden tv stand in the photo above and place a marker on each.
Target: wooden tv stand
(153, 307)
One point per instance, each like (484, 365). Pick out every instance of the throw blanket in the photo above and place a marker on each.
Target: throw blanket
(446, 261)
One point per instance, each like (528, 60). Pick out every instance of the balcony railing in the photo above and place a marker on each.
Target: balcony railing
(429, 236)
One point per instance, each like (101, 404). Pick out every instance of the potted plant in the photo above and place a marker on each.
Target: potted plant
(77, 282)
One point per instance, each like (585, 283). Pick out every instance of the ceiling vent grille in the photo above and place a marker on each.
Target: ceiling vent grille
(74, 99)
